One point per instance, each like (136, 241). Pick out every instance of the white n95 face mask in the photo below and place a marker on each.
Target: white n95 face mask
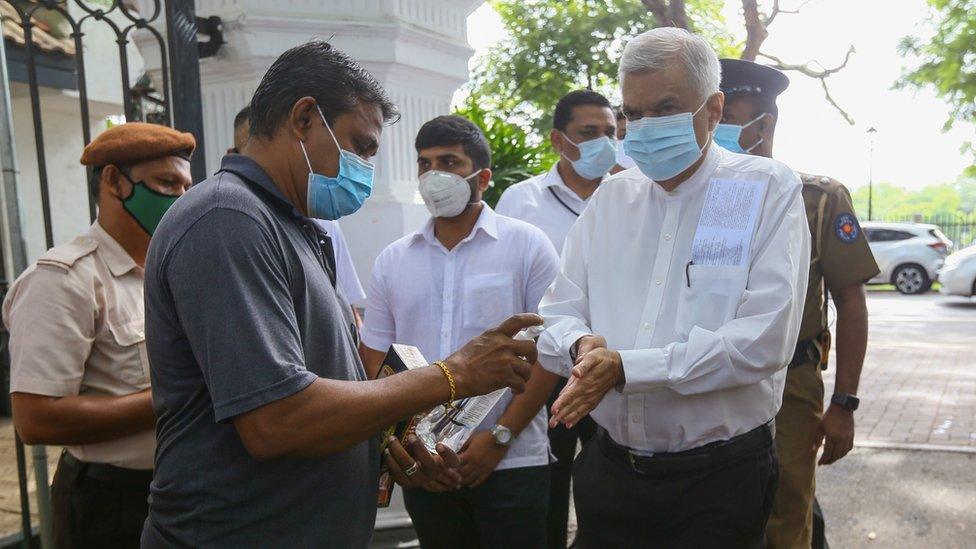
(445, 194)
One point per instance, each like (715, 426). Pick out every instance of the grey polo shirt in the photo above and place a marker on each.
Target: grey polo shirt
(241, 311)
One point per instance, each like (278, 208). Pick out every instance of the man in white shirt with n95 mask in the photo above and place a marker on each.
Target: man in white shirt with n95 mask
(464, 268)
(674, 315)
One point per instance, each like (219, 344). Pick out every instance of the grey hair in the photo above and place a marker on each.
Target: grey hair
(659, 48)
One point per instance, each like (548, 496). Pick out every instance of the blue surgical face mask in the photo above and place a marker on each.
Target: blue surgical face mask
(727, 136)
(334, 197)
(663, 146)
(597, 156)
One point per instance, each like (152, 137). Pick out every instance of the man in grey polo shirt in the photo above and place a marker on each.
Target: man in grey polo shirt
(266, 423)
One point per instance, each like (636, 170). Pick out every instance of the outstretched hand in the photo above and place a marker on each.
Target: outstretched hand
(495, 360)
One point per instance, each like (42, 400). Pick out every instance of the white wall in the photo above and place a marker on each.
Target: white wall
(417, 49)
(63, 140)
(63, 144)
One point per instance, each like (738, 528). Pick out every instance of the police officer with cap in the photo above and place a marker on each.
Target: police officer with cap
(841, 262)
(79, 369)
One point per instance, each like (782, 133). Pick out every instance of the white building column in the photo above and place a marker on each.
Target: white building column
(417, 49)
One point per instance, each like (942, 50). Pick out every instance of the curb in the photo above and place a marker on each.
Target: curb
(920, 447)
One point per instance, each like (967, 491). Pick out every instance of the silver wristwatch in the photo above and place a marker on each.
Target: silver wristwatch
(502, 435)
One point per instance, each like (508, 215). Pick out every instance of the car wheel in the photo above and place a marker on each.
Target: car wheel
(911, 279)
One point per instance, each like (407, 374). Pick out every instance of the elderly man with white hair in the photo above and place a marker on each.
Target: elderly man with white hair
(674, 315)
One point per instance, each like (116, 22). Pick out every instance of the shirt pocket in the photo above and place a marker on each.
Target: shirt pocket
(488, 300)
(130, 336)
(710, 297)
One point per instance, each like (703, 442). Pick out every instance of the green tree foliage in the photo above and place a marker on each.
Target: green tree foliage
(891, 202)
(560, 45)
(557, 46)
(514, 155)
(946, 62)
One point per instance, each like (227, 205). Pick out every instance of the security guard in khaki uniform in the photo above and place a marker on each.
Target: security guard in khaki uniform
(841, 262)
(79, 370)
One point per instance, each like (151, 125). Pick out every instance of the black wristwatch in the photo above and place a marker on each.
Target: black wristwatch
(847, 402)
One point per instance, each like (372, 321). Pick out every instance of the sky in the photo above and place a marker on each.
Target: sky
(910, 149)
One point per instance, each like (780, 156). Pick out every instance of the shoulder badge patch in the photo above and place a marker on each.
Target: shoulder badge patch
(847, 228)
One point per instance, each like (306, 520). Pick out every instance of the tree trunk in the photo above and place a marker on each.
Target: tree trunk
(668, 14)
(756, 32)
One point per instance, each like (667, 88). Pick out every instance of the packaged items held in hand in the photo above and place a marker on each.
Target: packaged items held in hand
(453, 426)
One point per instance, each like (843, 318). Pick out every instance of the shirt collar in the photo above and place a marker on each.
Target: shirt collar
(713, 155)
(249, 170)
(119, 261)
(555, 181)
(487, 223)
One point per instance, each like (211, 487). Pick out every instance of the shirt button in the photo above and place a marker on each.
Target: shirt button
(667, 236)
(647, 325)
(634, 419)
(658, 282)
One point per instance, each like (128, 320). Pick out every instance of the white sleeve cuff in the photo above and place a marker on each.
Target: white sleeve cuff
(379, 341)
(561, 366)
(645, 370)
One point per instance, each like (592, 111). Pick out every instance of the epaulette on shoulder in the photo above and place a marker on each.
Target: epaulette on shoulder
(66, 255)
(820, 181)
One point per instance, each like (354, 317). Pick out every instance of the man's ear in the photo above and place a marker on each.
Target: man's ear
(301, 117)
(767, 124)
(715, 104)
(111, 181)
(556, 140)
(484, 179)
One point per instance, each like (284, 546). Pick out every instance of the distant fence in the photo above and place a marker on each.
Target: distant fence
(960, 228)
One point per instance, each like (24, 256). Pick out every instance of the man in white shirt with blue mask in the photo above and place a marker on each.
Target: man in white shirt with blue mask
(463, 269)
(675, 313)
(584, 134)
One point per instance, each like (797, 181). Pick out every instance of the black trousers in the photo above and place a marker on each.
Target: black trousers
(507, 511)
(98, 506)
(562, 444)
(717, 496)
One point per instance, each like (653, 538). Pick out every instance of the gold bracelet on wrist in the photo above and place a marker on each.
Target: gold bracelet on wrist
(450, 379)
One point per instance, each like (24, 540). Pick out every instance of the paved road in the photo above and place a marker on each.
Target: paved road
(906, 499)
(918, 391)
(918, 387)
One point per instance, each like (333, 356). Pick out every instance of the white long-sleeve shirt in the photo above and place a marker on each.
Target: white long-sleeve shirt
(704, 348)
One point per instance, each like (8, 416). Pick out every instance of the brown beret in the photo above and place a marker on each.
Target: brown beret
(136, 142)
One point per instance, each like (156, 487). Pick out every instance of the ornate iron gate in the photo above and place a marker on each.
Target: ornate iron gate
(37, 56)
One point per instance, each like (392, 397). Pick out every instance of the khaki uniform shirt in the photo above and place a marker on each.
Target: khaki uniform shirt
(839, 253)
(76, 320)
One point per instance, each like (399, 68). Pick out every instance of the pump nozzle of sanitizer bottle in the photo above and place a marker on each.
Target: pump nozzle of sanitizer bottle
(454, 426)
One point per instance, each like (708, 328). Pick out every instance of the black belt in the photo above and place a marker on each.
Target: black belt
(703, 457)
(108, 473)
(806, 352)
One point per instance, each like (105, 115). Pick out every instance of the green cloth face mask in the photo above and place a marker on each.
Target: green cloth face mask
(146, 205)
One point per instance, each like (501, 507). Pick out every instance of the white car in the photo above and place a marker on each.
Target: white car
(908, 254)
(958, 275)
